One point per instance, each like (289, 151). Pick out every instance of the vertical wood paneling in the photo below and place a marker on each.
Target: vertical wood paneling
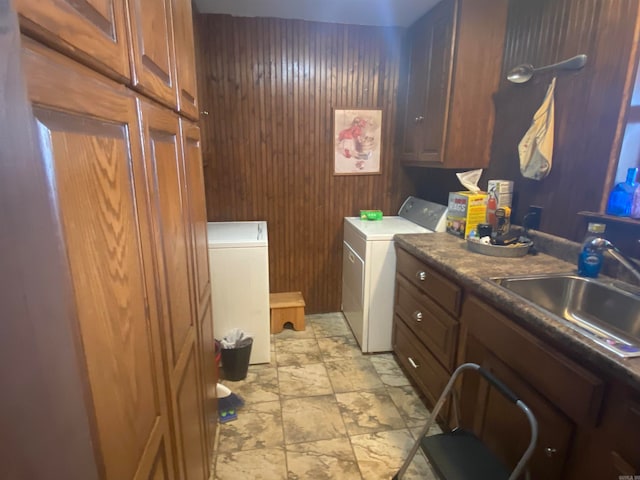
(588, 102)
(269, 86)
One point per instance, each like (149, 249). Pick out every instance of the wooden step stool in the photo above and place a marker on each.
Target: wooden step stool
(286, 308)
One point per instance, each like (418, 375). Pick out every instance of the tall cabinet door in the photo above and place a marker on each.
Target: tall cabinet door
(152, 54)
(414, 114)
(438, 81)
(95, 31)
(91, 147)
(166, 184)
(185, 58)
(192, 150)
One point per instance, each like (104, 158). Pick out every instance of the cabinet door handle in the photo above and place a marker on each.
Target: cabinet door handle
(417, 315)
(352, 259)
(419, 119)
(550, 451)
(413, 363)
(421, 275)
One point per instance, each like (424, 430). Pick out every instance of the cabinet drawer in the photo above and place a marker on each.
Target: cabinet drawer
(443, 291)
(573, 389)
(430, 322)
(423, 368)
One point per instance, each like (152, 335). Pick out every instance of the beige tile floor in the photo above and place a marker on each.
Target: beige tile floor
(321, 410)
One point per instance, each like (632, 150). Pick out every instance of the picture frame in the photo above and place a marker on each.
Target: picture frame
(357, 140)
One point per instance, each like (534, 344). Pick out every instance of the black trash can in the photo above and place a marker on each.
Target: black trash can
(235, 361)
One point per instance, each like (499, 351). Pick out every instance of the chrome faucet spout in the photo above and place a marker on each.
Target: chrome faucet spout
(629, 264)
(602, 244)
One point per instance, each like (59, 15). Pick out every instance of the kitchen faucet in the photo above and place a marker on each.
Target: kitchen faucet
(602, 244)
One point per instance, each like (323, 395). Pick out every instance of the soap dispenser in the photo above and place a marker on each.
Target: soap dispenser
(621, 197)
(590, 259)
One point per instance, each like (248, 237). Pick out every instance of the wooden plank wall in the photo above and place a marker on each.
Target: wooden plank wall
(588, 103)
(269, 86)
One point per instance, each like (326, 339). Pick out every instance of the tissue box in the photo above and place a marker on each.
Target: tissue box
(466, 210)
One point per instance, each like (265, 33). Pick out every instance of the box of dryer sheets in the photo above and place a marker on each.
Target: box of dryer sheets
(466, 210)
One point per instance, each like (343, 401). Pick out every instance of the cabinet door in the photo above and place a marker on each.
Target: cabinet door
(185, 58)
(414, 101)
(93, 31)
(88, 135)
(439, 54)
(611, 449)
(503, 427)
(166, 184)
(191, 147)
(152, 51)
(200, 258)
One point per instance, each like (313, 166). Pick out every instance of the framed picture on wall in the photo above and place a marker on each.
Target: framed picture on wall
(357, 138)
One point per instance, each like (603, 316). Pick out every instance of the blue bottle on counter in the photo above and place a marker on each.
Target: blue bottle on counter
(621, 197)
(590, 259)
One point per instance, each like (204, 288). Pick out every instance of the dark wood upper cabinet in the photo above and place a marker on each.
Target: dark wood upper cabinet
(152, 50)
(94, 31)
(185, 58)
(454, 58)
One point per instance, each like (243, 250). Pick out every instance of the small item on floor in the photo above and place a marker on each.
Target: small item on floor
(286, 307)
(228, 403)
(227, 415)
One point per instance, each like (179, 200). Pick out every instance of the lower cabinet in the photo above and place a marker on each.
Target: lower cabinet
(611, 450)
(425, 327)
(503, 426)
(589, 421)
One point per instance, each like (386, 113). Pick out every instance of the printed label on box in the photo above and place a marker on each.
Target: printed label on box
(466, 210)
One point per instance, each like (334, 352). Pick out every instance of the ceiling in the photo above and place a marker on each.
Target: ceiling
(358, 12)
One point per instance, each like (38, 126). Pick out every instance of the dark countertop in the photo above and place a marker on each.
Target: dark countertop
(473, 271)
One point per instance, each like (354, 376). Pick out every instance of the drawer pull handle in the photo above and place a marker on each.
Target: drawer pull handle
(352, 259)
(550, 451)
(421, 275)
(413, 364)
(417, 315)
(419, 119)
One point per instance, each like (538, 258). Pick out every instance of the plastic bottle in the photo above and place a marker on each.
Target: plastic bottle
(492, 205)
(621, 197)
(635, 204)
(590, 259)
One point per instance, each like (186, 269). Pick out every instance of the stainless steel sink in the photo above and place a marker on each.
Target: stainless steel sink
(604, 312)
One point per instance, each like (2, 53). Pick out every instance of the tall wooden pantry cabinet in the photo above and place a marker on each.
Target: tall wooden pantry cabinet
(112, 88)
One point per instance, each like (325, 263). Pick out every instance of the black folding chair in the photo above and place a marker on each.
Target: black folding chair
(460, 454)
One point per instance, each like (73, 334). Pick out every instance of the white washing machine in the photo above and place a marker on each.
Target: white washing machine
(239, 264)
(369, 266)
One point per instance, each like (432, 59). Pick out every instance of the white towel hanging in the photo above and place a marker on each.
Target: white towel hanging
(536, 147)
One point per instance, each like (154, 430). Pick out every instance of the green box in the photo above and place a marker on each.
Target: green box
(370, 214)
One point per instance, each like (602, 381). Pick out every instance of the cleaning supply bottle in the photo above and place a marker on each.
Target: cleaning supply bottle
(590, 259)
(621, 197)
(635, 204)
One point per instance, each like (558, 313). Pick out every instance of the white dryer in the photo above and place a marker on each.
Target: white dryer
(369, 265)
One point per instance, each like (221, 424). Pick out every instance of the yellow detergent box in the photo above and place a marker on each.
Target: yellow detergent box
(370, 214)
(466, 210)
